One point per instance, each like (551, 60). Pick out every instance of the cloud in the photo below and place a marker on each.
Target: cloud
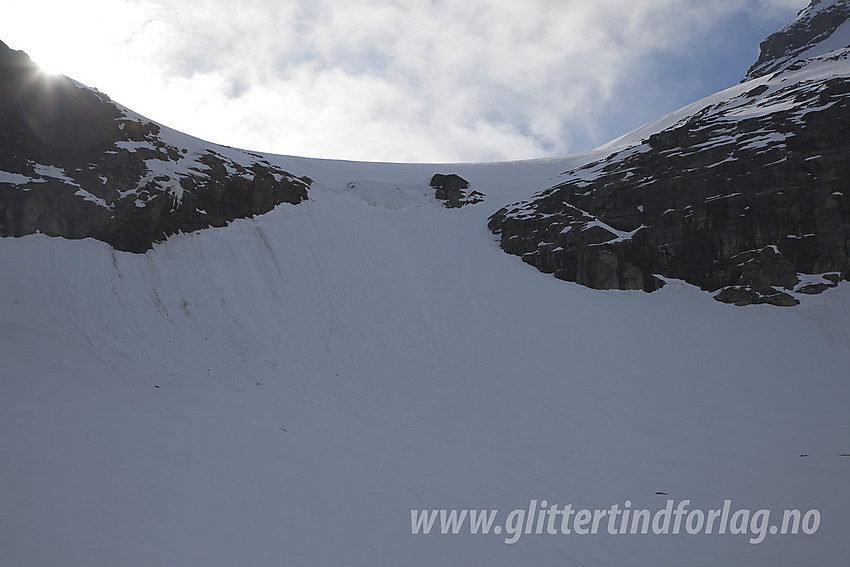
(410, 80)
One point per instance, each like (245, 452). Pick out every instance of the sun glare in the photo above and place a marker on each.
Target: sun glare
(49, 63)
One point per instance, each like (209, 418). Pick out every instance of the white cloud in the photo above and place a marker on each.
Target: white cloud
(417, 80)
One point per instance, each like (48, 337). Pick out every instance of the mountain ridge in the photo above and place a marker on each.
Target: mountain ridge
(76, 164)
(812, 33)
(743, 195)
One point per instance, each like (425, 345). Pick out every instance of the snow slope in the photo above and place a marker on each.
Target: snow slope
(283, 391)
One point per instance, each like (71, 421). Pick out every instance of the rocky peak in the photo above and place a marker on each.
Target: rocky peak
(73, 163)
(814, 32)
(746, 196)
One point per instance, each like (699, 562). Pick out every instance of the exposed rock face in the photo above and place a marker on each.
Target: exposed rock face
(75, 164)
(801, 38)
(749, 198)
(451, 189)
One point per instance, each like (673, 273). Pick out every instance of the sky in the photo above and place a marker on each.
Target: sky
(400, 80)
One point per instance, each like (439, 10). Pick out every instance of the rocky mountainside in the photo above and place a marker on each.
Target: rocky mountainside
(746, 195)
(814, 32)
(75, 164)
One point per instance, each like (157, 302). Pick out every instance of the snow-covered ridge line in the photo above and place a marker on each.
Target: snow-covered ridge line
(820, 28)
(713, 194)
(93, 168)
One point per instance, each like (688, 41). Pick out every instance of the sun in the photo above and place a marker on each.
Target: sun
(50, 61)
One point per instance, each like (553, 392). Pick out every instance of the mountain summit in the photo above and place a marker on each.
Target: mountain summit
(818, 29)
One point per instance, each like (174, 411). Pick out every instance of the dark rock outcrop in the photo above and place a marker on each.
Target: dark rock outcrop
(749, 199)
(452, 190)
(813, 25)
(75, 164)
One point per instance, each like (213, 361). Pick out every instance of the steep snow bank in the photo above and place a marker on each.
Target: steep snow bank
(285, 390)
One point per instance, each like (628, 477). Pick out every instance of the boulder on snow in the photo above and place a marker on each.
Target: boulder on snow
(451, 189)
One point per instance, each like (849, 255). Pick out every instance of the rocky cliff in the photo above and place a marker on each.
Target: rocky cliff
(814, 32)
(75, 164)
(748, 197)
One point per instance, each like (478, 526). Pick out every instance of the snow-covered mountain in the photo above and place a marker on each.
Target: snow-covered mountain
(743, 193)
(76, 164)
(285, 389)
(819, 29)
